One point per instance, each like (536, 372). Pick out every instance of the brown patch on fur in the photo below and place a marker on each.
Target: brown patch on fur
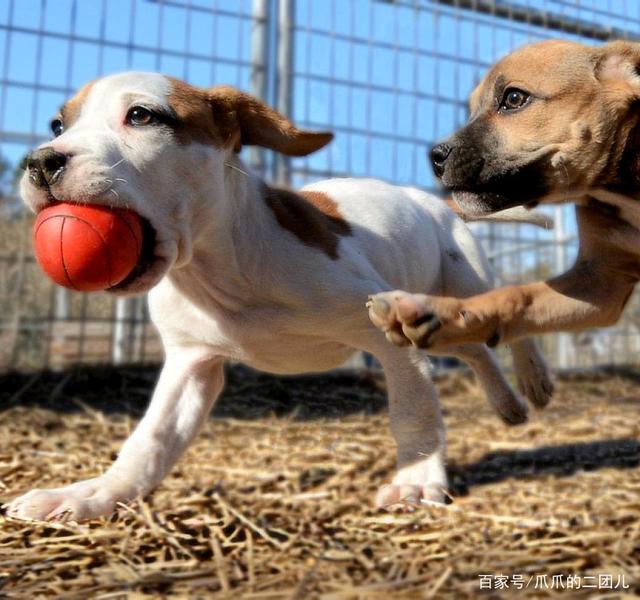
(453, 205)
(328, 206)
(260, 125)
(225, 116)
(195, 118)
(72, 108)
(313, 217)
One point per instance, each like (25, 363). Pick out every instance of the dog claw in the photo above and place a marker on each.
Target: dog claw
(381, 308)
(420, 331)
(397, 338)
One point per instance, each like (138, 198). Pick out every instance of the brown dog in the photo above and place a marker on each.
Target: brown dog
(553, 122)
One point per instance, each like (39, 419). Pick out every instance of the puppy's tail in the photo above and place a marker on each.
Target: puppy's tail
(517, 214)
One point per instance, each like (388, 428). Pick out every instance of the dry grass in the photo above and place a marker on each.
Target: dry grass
(280, 506)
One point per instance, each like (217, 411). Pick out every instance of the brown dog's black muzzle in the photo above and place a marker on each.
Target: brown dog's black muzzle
(456, 163)
(438, 156)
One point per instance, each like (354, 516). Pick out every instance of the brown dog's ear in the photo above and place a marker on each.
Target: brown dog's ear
(618, 64)
(243, 119)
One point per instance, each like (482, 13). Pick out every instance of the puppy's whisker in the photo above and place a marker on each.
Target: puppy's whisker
(120, 179)
(113, 166)
(236, 169)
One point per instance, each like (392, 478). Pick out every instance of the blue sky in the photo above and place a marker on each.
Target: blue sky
(388, 79)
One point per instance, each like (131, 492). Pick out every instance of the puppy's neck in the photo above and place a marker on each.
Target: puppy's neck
(231, 234)
(626, 204)
(227, 208)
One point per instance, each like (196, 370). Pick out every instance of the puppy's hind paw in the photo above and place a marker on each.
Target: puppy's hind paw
(512, 409)
(534, 378)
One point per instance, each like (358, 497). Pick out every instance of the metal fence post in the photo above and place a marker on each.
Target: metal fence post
(259, 59)
(284, 87)
(61, 315)
(119, 346)
(563, 340)
(62, 304)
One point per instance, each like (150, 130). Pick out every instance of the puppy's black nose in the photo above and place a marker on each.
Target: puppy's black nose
(45, 166)
(438, 157)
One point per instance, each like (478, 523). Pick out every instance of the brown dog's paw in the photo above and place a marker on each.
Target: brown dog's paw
(424, 321)
(382, 313)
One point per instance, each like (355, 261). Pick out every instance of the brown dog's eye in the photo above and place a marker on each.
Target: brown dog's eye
(514, 98)
(139, 116)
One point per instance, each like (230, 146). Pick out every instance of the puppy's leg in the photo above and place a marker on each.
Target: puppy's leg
(417, 426)
(465, 273)
(534, 377)
(593, 293)
(506, 401)
(190, 381)
(399, 315)
(565, 303)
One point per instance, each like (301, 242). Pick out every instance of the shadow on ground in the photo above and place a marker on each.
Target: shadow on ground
(251, 395)
(247, 395)
(561, 461)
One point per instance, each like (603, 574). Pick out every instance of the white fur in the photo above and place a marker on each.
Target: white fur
(231, 284)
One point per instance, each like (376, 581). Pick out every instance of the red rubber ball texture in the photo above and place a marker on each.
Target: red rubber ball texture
(87, 247)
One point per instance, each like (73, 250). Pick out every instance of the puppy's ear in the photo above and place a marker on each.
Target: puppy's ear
(243, 119)
(618, 65)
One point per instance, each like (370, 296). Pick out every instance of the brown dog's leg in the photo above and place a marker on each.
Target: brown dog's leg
(592, 294)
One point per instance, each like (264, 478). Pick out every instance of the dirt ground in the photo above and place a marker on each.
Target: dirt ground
(274, 500)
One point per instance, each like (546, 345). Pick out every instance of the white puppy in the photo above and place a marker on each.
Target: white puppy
(245, 272)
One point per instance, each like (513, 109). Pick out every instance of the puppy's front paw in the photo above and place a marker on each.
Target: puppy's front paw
(83, 500)
(424, 321)
(410, 494)
(420, 482)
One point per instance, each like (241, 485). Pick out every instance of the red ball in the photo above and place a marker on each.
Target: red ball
(87, 247)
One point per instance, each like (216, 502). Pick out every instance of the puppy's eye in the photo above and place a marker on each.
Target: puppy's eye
(513, 99)
(139, 116)
(57, 127)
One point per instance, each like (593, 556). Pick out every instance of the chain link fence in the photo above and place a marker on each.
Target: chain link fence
(388, 77)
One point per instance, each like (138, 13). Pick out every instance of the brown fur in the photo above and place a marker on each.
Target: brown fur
(588, 90)
(585, 113)
(71, 109)
(324, 203)
(313, 217)
(582, 109)
(225, 116)
(592, 293)
(455, 207)
(196, 120)
(260, 125)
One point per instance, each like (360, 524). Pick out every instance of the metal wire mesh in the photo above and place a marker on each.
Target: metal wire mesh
(389, 77)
